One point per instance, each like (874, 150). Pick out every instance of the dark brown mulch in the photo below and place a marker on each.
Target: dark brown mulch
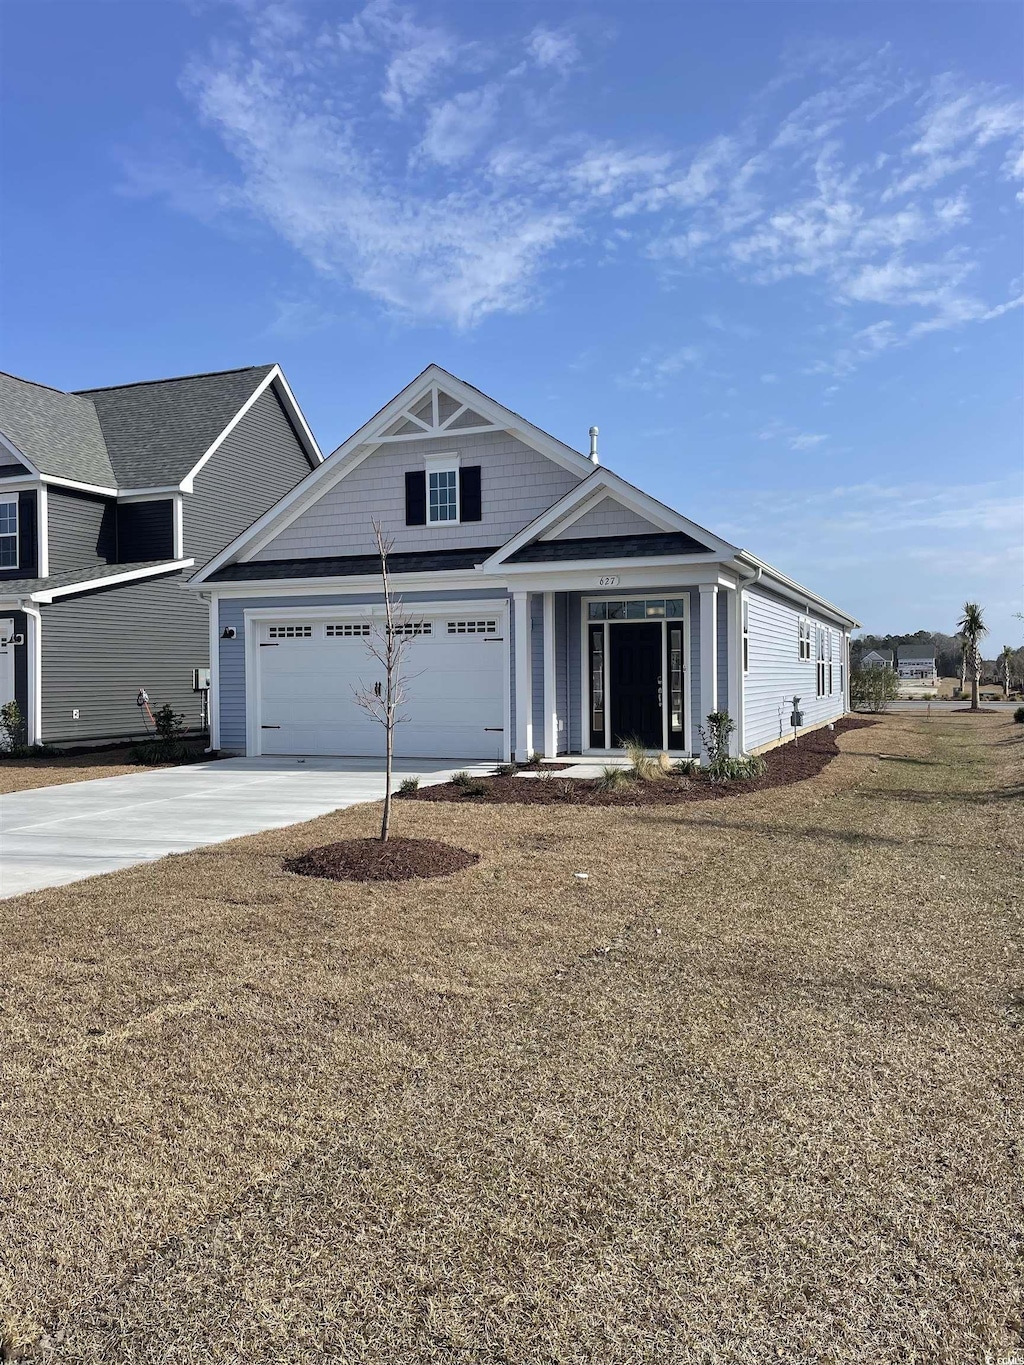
(785, 765)
(368, 860)
(976, 711)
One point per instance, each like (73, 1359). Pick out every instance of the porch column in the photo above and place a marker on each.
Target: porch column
(524, 677)
(708, 655)
(734, 659)
(34, 658)
(550, 703)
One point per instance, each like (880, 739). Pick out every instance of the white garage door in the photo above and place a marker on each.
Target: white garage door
(454, 672)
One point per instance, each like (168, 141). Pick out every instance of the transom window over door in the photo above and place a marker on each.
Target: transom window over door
(442, 495)
(9, 533)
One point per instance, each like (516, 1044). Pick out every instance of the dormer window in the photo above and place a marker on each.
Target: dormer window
(9, 533)
(442, 495)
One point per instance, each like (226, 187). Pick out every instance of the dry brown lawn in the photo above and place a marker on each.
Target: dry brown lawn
(748, 1093)
(54, 770)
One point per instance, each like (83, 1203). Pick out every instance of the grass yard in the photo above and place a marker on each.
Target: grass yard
(53, 770)
(746, 1093)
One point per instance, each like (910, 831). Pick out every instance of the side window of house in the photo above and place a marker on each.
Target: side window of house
(804, 638)
(445, 493)
(9, 533)
(822, 662)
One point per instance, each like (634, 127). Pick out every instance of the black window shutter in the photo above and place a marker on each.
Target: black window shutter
(416, 498)
(28, 539)
(469, 493)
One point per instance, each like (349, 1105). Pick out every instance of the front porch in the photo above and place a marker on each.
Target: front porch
(596, 668)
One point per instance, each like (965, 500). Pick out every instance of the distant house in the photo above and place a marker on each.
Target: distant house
(877, 658)
(916, 663)
(108, 498)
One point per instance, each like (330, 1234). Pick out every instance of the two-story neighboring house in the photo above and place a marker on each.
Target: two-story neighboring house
(108, 499)
(555, 607)
(916, 663)
(877, 658)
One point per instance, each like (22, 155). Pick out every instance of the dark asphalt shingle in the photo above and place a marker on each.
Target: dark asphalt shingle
(608, 547)
(24, 587)
(343, 566)
(59, 433)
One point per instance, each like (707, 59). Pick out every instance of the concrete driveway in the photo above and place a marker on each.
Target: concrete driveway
(53, 835)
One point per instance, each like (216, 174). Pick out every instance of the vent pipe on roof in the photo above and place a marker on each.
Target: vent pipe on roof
(594, 459)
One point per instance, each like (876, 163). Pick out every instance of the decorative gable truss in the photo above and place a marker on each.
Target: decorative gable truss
(433, 414)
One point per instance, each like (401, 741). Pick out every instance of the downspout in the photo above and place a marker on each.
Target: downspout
(746, 580)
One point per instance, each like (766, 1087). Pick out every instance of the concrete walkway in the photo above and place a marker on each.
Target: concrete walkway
(53, 835)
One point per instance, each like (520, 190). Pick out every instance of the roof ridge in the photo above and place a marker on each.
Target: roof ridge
(171, 379)
(50, 388)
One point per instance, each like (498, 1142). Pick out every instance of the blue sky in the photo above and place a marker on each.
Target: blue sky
(773, 250)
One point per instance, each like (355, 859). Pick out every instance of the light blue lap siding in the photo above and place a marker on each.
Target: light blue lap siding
(777, 672)
(232, 652)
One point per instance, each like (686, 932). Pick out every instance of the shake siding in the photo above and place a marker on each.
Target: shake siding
(777, 672)
(516, 484)
(232, 652)
(101, 647)
(82, 530)
(608, 518)
(260, 461)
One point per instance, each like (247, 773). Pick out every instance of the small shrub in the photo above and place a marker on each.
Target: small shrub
(1018, 715)
(506, 770)
(664, 763)
(568, 789)
(727, 769)
(613, 778)
(642, 767)
(13, 731)
(686, 767)
(462, 778)
(873, 689)
(408, 785)
(473, 788)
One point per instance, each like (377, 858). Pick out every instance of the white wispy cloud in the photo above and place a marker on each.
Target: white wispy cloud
(654, 370)
(436, 176)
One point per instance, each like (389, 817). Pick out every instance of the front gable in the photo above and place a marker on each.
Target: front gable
(442, 467)
(607, 517)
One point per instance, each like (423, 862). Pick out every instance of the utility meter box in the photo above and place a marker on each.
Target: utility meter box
(200, 680)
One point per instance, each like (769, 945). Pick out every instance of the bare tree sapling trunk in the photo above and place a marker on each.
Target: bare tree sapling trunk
(384, 700)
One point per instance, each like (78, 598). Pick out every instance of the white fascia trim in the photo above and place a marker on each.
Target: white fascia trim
(111, 580)
(603, 482)
(291, 587)
(287, 397)
(214, 702)
(178, 526)
(34, 719)
(148, 494)
(79, 487)
(364, 442)
(43, 532)
(789, 587)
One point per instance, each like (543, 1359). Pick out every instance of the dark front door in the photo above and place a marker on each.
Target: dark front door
(635, 668)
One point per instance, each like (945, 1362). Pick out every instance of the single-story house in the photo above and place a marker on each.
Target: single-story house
(109, 498)
(877, 658)
(916, 663)
(556, 607)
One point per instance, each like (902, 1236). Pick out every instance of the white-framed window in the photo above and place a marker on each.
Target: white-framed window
(804, 638)
(820, 633)
(442, 495)
(414, 628)
(472, 627)
(746, 636)
(8, 533)
(345, 630)
(289, 632)
(830, 662)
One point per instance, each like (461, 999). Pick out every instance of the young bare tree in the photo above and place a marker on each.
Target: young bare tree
(388, 644)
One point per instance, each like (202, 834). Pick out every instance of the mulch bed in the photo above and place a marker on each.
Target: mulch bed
(368, 860)
(975, 711)
(785, 765)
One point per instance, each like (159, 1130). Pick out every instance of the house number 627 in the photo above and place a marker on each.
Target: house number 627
(610, 580)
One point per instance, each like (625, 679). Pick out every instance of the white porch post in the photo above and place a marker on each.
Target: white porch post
(550, 703)
(524, 677)
(734, 634)
(708, 655)
(34, 659)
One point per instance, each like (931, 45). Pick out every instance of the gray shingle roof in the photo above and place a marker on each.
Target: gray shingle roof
(608, 547)
(131, 436)
(343, 566)
(156, 432)
(915, 652)
(24, 587)
(58, 432)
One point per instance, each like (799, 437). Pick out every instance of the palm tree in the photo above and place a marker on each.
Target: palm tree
(972, 628)
(1006, 659)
